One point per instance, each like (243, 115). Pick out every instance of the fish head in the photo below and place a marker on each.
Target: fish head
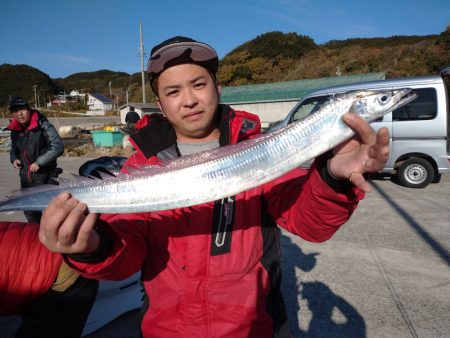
(372, 105)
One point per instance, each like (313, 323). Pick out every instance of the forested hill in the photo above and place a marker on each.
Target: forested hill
(19, 80)
(270, 57)
(275, 56)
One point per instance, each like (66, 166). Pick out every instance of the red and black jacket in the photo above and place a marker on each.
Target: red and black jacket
(213, 270)
(38, 143)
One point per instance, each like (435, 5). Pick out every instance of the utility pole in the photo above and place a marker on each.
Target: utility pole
(141, 51)
(35, 96)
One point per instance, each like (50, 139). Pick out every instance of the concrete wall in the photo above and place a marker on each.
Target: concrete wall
(268, 112)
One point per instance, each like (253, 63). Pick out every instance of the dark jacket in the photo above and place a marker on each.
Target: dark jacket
(40, 143)
(213, 270)
(132, 117)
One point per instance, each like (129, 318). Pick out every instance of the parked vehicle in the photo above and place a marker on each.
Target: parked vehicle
(4, 132)
(420, 131)
(114, 298)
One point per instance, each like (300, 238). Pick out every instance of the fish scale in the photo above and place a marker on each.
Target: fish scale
(221, 172)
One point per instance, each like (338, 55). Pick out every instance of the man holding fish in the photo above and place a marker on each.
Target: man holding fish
(211, 269)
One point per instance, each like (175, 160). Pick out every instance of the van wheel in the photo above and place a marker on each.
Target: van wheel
(437, 178)
(415, 173)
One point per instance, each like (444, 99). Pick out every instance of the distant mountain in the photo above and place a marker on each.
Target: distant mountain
(276, 56)
(270, 57)
(18, 80)
(98, 82)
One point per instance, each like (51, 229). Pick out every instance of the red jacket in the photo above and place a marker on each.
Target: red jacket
(202, 280)
(27, 268)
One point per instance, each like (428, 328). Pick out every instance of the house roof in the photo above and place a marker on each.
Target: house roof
(101, 97)
(289, 90)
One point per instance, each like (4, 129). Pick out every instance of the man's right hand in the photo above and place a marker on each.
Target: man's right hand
(17, 164)
(67, 227)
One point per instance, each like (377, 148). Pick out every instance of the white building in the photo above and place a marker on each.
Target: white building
(77, 96)
(98, 104)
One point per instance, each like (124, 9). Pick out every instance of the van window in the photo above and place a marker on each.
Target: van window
(424, 107)
(309, 106)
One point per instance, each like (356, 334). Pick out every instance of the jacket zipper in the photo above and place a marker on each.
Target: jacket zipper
(226, 208)
(25, 156)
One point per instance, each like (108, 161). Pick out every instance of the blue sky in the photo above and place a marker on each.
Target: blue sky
(62, 37)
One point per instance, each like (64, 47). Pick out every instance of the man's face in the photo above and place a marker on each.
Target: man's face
(21, 114)
(188, 97)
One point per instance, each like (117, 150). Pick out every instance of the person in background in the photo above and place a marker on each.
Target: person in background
(132, 117)
(52, 300)
(211, 270)
(35, 147)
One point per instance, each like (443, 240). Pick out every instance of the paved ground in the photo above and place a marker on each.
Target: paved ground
(86, 122)
(386, 273)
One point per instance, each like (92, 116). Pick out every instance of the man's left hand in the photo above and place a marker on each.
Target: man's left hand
(366, 152)
(34, 167)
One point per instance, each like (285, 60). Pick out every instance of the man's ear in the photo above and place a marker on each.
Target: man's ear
(158, 103)
(218, 87)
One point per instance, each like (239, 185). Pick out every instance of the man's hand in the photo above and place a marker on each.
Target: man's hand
(17, 164)
(366, 152)
(67, 227)
(34, 167)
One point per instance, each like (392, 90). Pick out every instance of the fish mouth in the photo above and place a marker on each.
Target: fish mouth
(406, 96)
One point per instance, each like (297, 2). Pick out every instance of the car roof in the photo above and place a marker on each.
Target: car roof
(377, 84)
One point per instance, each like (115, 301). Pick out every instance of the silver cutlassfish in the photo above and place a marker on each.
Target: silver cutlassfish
(220, 172)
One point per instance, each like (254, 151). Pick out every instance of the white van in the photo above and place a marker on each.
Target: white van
(420, 142)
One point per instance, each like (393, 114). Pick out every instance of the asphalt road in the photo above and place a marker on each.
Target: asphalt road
(90, 122)
(386, 273)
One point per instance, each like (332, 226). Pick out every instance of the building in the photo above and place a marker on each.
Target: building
(140, 108)
(75, 95)
(273, 101)
(98, 104)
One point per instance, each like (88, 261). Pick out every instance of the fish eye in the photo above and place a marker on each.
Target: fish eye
(383, 98)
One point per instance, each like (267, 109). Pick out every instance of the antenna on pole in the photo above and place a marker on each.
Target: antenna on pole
(141, 51)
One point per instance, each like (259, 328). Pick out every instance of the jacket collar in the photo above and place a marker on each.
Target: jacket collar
(16, 126)
(156, 134)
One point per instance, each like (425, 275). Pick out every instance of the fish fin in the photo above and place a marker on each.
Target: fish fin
(64, 181)
(105, 175)
(114, 172)
(102, 173)
(131, 169)
(77, 179)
